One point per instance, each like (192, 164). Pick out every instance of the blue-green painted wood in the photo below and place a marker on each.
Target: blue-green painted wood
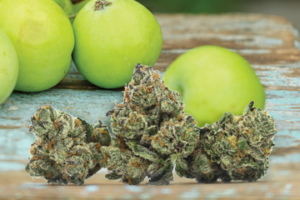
(15, 139)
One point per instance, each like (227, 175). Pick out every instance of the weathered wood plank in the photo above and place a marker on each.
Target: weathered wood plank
(15, 139)
(281, 183)
(273, 77)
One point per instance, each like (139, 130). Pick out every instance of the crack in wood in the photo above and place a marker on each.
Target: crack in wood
(9, 127)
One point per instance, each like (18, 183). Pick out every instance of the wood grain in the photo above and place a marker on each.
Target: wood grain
(269, 43)
(279, 184)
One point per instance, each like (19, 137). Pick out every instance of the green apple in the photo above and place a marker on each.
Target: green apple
(112, 38)
(213, 80)
(9, 67)
(43, 39)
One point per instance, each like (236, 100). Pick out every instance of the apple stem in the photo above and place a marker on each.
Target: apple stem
(101, 3)
(72, 16)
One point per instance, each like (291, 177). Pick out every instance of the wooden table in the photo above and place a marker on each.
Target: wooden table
(269, 43)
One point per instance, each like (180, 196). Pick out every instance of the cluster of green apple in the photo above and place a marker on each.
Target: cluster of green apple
(107, 39)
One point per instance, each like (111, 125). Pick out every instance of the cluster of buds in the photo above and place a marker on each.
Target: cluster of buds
(234, 148)
(67, 149)
(152, 131)
(151, 136)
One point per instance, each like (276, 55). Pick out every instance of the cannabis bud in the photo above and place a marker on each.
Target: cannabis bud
(152, 133)
(67, 149)
(234, 148)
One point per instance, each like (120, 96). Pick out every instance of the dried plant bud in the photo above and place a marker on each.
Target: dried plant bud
(200, 166)
(152, 131)
(67, 149)
(240, 145)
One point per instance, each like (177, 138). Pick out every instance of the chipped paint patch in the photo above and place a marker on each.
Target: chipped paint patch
(13, 108)
(192, 194)
(219, 194)
(133, 188)
(284, 173)
(291, 158)
(92, 188)
(297, 44)
(38, 186)
(253, 52)
(264, 187)
(269, 195)
(166, 191)
(250, 189)
(175, 51)
(287, 189)
(11, 166)
(145, 196)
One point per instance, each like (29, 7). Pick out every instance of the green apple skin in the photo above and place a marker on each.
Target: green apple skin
(111, 41)
(42, 36)
(213, 80)
(9, 67)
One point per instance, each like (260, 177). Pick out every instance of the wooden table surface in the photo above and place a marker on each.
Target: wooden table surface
(270, 43)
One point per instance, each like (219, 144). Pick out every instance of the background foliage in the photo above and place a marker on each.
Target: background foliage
(191, 6)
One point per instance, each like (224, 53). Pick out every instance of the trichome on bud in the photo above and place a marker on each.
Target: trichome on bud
(67, 149)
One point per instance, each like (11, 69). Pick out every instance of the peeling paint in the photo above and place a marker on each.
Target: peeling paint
(192, 194)
(297, 44)
(166, 191)
(250, 189)
(133, 188)
(292, 158)
(145, 196)
(264, 187)
(11, 166)
(219, 194)
(287, 189)
(284, 173)
(13, 108)
(91, 188)
(38, 186)
(269, 195)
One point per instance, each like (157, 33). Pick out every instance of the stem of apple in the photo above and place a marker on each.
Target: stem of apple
(72, 16)
(101, 3)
